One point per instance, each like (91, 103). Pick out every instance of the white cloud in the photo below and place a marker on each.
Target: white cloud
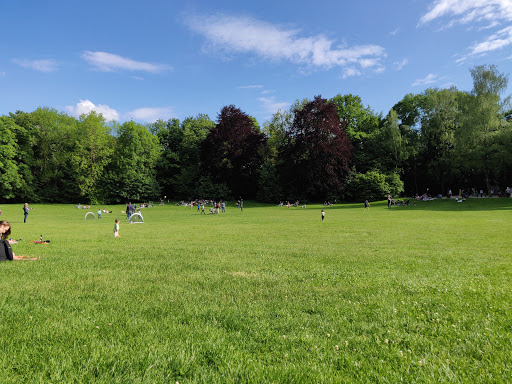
(151, 115)
(271, 106)
(48, 65)
(86, 107)
(349, 72)
(247, 35)
(108, 62)
(430, 79)
(490, 12)
(399, 65)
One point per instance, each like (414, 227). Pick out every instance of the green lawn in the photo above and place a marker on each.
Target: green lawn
(271, 294)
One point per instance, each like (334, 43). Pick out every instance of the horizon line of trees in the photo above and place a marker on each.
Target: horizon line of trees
(319, 149)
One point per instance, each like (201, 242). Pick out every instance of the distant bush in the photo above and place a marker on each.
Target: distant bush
(373, 185)
(209, 190)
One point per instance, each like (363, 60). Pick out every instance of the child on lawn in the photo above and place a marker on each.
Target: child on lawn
(116, 228)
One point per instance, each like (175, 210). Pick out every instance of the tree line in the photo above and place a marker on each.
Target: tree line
(319, 149)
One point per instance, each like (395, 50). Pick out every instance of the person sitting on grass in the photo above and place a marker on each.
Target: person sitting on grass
(5, 231)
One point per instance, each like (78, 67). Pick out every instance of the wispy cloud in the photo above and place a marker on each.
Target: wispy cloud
(500, 39)
(470, 11)
(108, 62)
(250, 87)
(151, 115)
(87, 106)
(399, 65)
(271, 106)
(491, 13)
(248, 35)
(430, 79)
(395, 32)
(48, 65)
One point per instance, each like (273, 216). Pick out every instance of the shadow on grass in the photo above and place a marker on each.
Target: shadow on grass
(471, 204)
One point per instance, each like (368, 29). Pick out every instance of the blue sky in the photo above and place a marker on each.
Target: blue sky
(145, 60)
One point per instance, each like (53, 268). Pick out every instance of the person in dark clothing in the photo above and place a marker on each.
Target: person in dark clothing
(5, 231)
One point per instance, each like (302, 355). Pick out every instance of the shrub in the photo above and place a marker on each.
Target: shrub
(373, 185)
(208, 189)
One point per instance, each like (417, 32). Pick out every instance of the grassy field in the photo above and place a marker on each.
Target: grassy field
(271, 294)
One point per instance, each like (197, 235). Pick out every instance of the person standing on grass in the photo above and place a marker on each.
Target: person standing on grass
(241, 204)
(389, 201)
(99, 213)
(223, 204)
(129, 211)
(25, 212)
(116, 228)
(202, 209)
(323, 215)
(366, 205)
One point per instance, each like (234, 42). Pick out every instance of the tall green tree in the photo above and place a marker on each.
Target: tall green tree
(195, 130)
(10, 180)
(132, 173)
(47, 139)
(483, 120)
(439, 123)
(92, 153)
(362, 126)
(170, 137)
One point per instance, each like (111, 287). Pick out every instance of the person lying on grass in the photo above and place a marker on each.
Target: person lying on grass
(5, 231)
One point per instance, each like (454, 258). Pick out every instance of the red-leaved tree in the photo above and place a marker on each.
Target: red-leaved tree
(231, 153)
(315, 161)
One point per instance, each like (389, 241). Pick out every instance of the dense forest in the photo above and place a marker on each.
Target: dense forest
(319, 149)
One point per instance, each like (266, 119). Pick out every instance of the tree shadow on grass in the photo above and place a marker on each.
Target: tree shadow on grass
(471, 204)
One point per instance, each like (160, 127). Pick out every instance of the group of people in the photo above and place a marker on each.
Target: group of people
(215, 210)
(100, 211)
(287, 204)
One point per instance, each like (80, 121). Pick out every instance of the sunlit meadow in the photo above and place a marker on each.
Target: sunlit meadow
(271, 294)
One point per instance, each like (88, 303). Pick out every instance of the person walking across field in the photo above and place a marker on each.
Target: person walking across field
(366, 205)
(323, 215)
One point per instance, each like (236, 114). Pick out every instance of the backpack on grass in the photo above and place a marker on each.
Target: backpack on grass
(5, 250)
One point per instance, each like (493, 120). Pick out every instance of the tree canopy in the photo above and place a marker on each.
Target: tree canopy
(317, 149)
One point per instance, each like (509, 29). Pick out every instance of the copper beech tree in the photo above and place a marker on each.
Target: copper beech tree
(231, 153)
(314, 162)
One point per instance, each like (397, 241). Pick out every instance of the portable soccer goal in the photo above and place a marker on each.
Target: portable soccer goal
(136, 218)
(90, 216)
